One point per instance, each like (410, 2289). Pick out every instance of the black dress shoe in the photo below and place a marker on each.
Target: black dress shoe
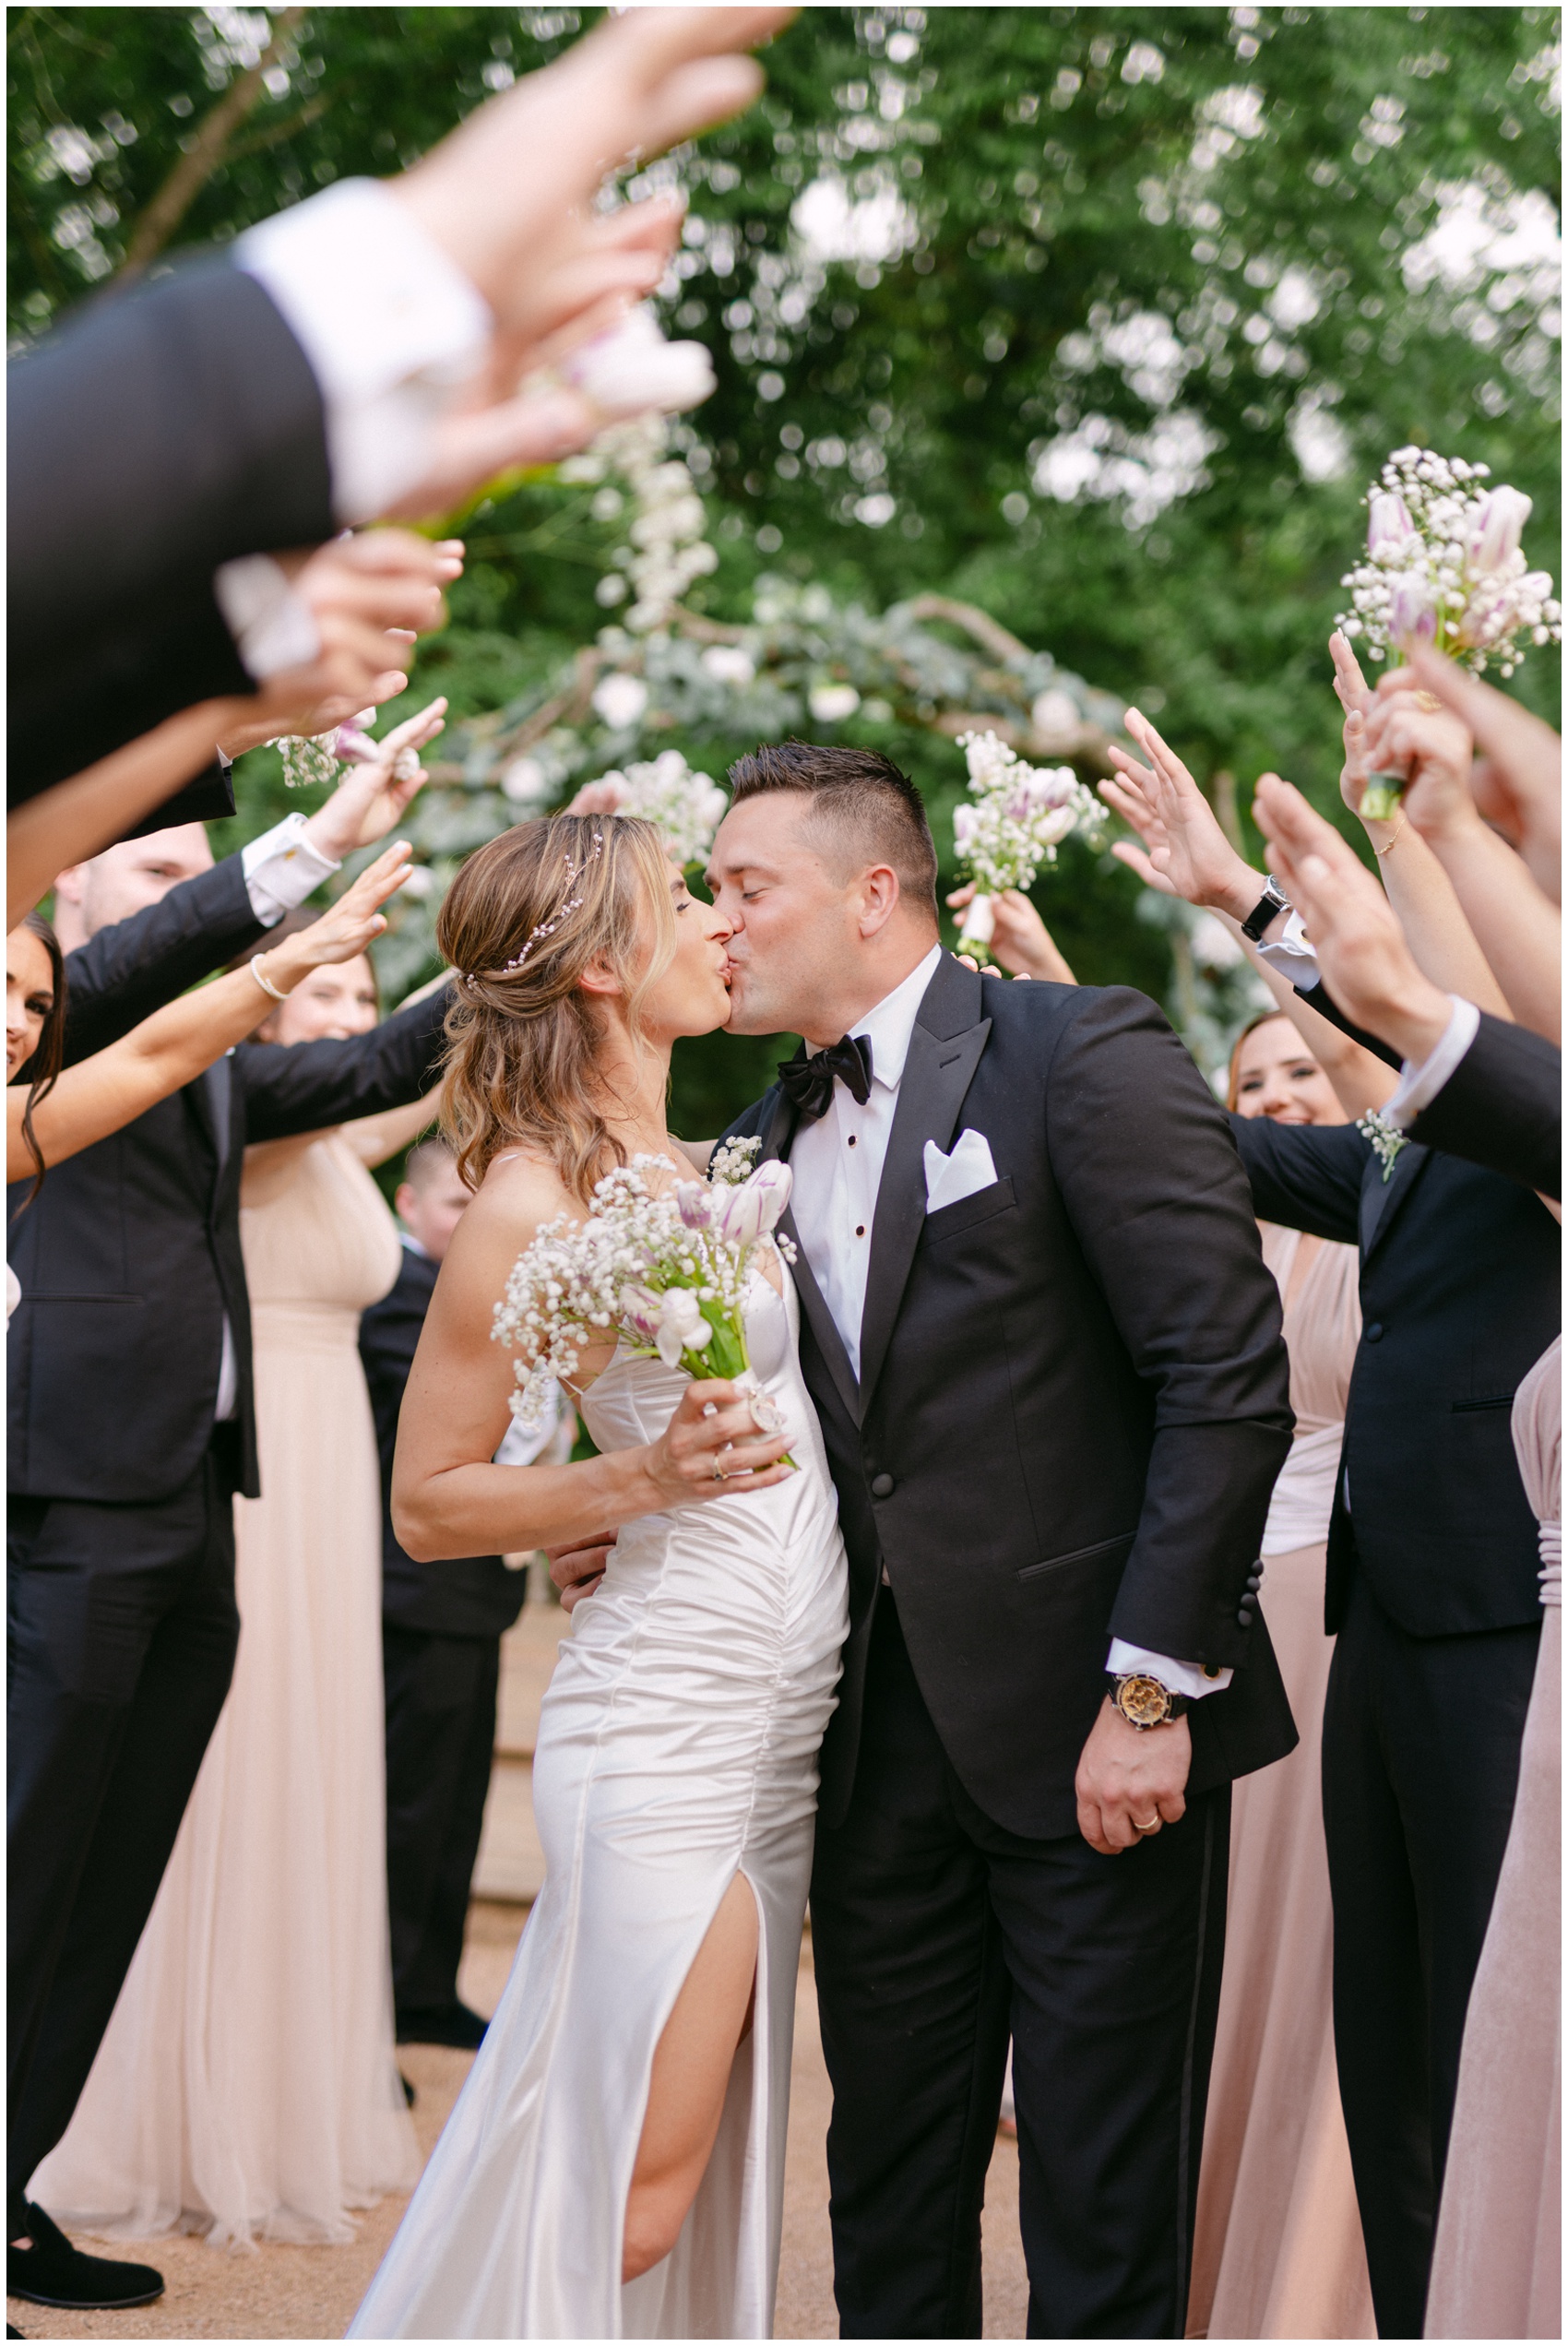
(54, 2274)
(451, 2024)
(410, 2096)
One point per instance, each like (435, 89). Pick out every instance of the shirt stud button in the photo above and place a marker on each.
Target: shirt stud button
(881, 1486)
(859, 1230)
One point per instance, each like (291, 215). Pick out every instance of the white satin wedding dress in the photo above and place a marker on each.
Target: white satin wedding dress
(677, 1747)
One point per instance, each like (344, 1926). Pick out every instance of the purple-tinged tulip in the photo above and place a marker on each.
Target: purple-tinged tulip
(696, 1203)
(1411, 617)
(743, 1213)
(640, 1309)
(1500, 525)
(1389, 527)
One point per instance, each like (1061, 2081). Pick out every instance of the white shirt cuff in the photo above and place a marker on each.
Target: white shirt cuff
(390, 325)
(1177, 1677)
(1292, 956)
(1420, 1083)
(281, 867)
(271, 628)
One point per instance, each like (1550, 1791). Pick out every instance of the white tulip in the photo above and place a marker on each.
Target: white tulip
(1499, 526)
(746, 1211)
(682, 1328)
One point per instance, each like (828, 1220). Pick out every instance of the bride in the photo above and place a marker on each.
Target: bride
(614, 2166)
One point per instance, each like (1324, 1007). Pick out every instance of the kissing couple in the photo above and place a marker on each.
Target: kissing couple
(992, 1581)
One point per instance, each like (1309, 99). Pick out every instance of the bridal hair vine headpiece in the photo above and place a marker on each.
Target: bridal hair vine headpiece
(569, 905)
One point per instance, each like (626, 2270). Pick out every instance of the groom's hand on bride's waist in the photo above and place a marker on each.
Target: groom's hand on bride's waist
(1130, 1783)
(577, 1566)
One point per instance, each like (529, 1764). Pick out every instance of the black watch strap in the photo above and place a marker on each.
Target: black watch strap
(1272, 902)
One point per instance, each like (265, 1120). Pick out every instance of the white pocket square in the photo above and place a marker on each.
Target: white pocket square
(968, 1167)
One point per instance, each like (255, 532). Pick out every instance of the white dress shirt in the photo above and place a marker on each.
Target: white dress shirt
(837, 1162)
(281, 869)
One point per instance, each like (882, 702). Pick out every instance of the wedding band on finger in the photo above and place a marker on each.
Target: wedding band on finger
(1155, 1822)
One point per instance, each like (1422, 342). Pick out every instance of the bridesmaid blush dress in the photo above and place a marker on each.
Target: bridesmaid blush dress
(677, 1747)
(1496, 2261)
(1278, 2249)
(247, 2087)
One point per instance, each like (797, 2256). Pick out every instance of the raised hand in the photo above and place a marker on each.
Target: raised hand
(1518, 783)
(1021, 940)
(371, 797)
(1366, 963)
(345, 928)
(369, 596)
(1184, 852)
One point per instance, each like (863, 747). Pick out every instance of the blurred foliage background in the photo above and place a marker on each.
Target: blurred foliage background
(1096, 319)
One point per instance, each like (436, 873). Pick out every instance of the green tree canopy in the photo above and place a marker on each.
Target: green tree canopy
(1099, 319)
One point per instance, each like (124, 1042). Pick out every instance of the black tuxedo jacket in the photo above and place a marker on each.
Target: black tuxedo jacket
(1074, 1396)
(129, 1256)
(468, 1596)
(1503, 1106)
(1459, 1297)
(154, 436)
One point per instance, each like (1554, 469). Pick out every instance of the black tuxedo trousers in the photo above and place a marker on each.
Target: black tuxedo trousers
(1071, 1408)
(122, 1629)
(936, 1934)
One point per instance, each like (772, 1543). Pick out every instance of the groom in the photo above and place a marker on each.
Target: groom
(1047, 1360)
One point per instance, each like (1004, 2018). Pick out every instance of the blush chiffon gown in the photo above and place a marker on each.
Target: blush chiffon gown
(1496, 2261)
(1278, 2249)
(677, 1748)
(247, 2087)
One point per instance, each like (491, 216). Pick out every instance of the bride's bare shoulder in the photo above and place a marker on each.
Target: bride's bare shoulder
(520, 1191)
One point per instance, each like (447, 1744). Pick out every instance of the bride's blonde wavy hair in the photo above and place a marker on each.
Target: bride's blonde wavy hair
(522, 920)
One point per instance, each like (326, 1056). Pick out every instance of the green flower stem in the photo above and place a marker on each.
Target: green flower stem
(725, 1355)
(1381, 798)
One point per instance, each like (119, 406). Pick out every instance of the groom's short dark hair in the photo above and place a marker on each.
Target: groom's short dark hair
(864, 807)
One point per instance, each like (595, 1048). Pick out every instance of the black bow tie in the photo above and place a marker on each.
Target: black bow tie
(809, 1082)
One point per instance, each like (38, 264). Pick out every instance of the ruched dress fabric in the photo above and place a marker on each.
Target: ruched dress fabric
(247, 2087)
(677, 1747)
(1497, 2259)
(1278, 2249)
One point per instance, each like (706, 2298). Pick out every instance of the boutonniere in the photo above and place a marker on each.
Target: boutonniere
(1386, 1139)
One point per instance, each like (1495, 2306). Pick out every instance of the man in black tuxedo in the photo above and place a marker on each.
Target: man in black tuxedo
(441, 1627)
(131, 1428)
(1432, 1559)
(1046, 1360)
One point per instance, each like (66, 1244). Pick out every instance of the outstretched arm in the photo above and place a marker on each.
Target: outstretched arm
(97, 1095)
(1514, 924)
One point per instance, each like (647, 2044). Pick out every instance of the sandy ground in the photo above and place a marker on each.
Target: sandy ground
(273, 2291)
(312, 2293)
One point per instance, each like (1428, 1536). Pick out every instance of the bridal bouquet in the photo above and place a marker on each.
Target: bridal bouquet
(665, 1270)
(1017, 817)
(685, 808)
(1445, 567)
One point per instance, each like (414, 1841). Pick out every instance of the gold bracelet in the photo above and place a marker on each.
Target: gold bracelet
(1394, 841)
(259, 974)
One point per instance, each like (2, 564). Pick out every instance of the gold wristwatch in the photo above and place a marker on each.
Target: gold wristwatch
(1143, 1701)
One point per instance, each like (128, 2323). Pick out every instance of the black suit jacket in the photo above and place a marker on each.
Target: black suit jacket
(1459, 1297)
(1073, 1398)
(129, 1256)
(154, 436)
(466, 1596)
(1503, 1106)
